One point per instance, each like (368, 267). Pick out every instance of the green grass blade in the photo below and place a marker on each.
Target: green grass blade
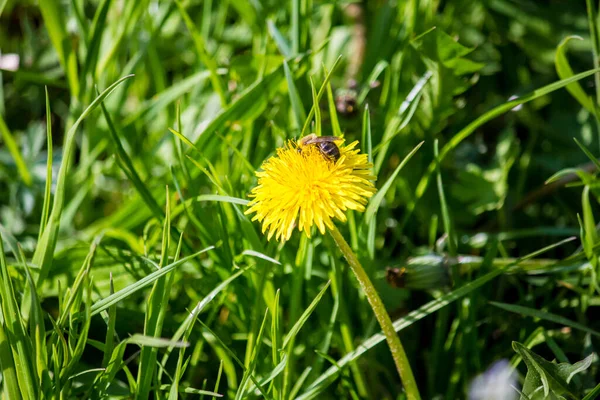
(203, 55)
(45, 247)
(253, 359)
(155, 342)
(105, 303)
(275, 341)
(592, 14)
(593, 394)
(319, 95)
(48, 187)
(399, 121)
(260, 255)
(151, 108)
(297, 107)
(235, 358)
(156, 308)
(127, 166)
(174, 389)
(9, 373)
(588, 153)
(563, 69)
(82, 335)
(531, 312)
(19, 341)
(316, 107)
(111, 327)
(280, 40)
(469, 129)
(37, 332)
(250, 104)
(53, 15)
(77, 286)
(335, 122)
(367, 137)
(379, 68)
(378, 198)
(187, 325)
(11, 144)
(304, 317)
(272, 375)
(99, 26)
(328, 376)
(444, 205)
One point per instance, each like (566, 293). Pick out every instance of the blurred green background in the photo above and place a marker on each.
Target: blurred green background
(238, 79)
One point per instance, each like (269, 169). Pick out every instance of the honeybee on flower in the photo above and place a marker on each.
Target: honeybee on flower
(310, 182)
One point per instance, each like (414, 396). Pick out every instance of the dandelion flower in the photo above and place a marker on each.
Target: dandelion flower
(301, 187)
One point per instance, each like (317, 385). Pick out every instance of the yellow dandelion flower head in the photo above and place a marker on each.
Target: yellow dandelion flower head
(301, 187)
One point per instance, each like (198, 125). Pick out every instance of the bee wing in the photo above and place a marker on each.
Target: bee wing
(322, 139)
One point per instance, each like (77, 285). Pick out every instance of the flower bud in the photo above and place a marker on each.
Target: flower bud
(421, 273)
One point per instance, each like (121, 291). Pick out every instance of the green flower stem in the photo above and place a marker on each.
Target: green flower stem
(398, 353)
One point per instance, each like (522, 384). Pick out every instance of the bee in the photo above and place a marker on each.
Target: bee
(325, 144)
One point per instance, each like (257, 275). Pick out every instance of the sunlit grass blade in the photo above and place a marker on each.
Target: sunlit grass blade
(250, 104)
(260, 255)
(105, 303)
(127, 166)
(282, 43)
(156, 308)
(111, 323)
(367, 137)
(18, 341)
(317, 108)
(48, 187)
(57, 30)
(203, 55)
(228, 350)
(37, 332)
(372, 80)
(563, 69)
(335, 123)
(10, 381)
(297, 107)
(11, 145)
(174, 389)
(315, 105)
(99, 25)
(151, 108)
(46, 245)
(448, 226)
(78, 285)
(186, 326)
(85, 294)
(298, 325)
(253, 359)
(275, 341)
(13, 352)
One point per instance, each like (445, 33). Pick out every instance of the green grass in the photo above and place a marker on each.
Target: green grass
(129, 137)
